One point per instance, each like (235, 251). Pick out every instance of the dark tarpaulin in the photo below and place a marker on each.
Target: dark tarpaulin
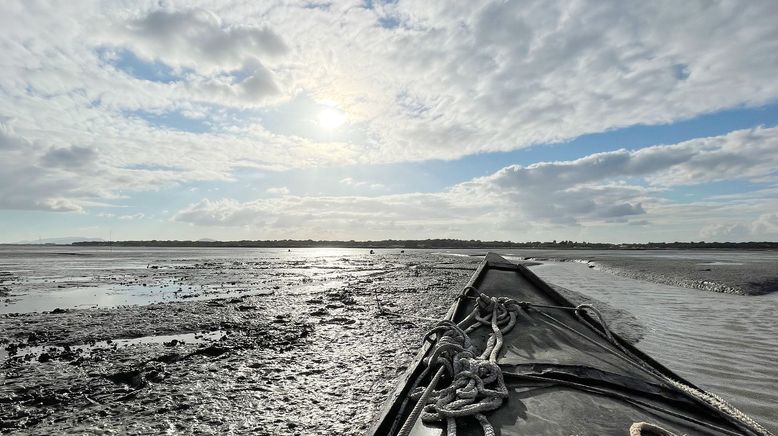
(563, 377)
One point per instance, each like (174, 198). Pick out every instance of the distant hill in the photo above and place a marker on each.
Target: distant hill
(63, 241)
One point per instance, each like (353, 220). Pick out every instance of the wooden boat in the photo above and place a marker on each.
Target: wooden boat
(564, 374)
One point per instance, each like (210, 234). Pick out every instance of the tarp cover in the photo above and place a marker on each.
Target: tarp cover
(564, 378)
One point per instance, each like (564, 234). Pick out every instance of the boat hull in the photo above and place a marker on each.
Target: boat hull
(564, 375)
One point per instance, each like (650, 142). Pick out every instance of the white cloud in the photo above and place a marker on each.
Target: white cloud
(447, 81)
(596, 187)
(42, 176)
(453, 80)
(439, 81)
(278, 190)
(351, 182)
(132, 217)
(765, 224)
(199, 39)
(725, 232)
(590, 191)
(69, 157)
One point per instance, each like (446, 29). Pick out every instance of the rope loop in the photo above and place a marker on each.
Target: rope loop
(475, 381)
(579, 310)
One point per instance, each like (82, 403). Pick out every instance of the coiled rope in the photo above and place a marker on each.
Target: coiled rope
(477, 383)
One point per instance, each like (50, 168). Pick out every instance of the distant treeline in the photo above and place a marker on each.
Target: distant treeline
(433, 243)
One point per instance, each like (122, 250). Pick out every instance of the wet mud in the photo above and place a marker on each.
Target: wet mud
(726, 277)
(310, 357)
(737, 272)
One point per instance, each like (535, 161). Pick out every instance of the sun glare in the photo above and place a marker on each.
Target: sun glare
(331, 118)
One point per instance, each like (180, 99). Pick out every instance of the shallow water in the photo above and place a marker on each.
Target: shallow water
(727, 344)
(46, 278)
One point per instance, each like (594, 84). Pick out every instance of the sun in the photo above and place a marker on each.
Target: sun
(331, 118)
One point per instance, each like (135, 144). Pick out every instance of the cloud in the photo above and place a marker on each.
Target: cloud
(417, 80)
(278, 190)
(766, 224)
(725, 232)
(764, 227)
(199, 39)
(351, 182)
(132, 217)
(69, 157)
(743, 154)
(334, 217)
(619, 187)
(9, 140)
(41, 176)
(597, 186)
(455, 80)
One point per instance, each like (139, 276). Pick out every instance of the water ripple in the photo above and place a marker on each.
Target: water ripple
(727, 344)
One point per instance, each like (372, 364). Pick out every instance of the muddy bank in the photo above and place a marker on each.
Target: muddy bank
(318, 360)
(726, 277)
(733, 272)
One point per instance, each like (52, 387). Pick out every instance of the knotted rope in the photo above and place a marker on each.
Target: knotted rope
(477, 384)
(647, 429)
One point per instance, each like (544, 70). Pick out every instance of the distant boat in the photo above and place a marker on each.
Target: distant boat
(564, 372)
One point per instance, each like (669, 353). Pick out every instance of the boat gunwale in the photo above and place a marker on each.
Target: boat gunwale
(393, 408)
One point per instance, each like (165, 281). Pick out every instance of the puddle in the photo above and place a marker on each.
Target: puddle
(103, 296)
(34, 352)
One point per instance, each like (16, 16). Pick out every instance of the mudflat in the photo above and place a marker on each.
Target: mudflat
(297, 360)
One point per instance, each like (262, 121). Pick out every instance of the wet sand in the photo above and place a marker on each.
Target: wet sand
(226, 341)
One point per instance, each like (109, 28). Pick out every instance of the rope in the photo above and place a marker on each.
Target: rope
(477, 385)
(723, 406)
(652, 430)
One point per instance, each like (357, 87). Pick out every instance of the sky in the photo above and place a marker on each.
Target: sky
(607, 121)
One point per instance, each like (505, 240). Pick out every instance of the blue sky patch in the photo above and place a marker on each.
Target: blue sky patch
(126, 61)
(173, 120)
